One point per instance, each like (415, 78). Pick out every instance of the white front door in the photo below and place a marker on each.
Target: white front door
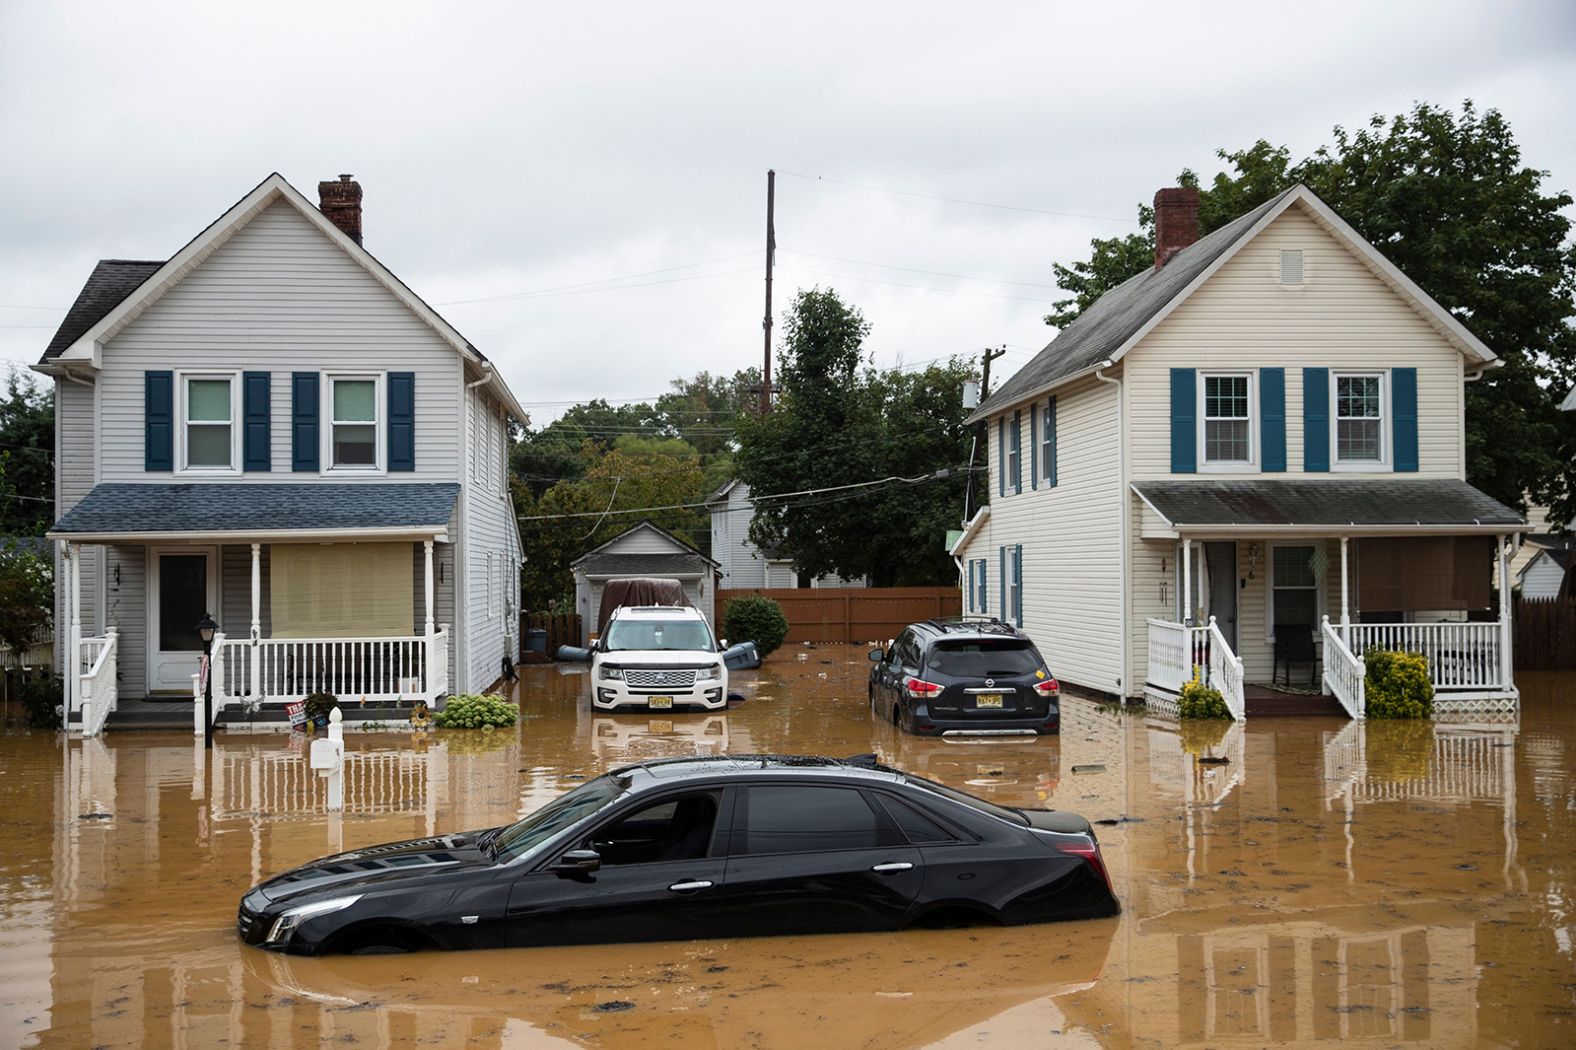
(183, 586)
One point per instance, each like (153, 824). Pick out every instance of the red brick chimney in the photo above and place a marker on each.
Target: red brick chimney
(341, 202)
(1176, 221)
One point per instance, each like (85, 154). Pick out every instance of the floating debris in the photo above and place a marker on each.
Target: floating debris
(613, 1006)
(96, 816)
(1213, 760)
(1093, 767)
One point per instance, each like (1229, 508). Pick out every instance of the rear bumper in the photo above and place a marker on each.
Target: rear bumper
(1014, 723)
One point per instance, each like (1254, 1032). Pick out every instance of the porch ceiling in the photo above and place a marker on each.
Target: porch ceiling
(120, 512)
(1338, 507)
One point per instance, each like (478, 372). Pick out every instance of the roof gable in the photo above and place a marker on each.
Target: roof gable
(111, 281)
(611, 546)
(1103, 334)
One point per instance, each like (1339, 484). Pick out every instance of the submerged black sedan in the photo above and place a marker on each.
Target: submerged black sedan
(686, 848)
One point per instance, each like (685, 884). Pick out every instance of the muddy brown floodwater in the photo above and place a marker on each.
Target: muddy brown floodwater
(1380, 884)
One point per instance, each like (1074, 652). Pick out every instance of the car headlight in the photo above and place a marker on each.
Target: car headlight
(709, 674)
(610, 671)
(285, 925)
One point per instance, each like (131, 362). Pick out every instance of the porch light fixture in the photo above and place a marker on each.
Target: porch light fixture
(205, 629)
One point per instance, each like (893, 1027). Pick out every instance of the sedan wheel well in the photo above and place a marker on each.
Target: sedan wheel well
(379, 938)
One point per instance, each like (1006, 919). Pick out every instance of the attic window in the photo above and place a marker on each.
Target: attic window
(1291, 266)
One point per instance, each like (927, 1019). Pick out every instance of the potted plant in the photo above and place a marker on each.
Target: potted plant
(318, 706)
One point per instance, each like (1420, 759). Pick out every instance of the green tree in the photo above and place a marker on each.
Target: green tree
(27, 464)
(837, 420)
(27, 593)
(1447, 198)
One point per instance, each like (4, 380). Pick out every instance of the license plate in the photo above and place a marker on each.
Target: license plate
(988, 700)
(661, 725)
(664, 703)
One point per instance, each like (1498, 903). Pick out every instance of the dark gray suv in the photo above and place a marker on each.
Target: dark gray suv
(973, 677)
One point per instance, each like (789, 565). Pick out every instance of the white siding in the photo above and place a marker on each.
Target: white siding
(279, 297)
(1342, 316)
(490, 549)
(75, 469)
(1542, 578)
(742, 563)
(1071, 538)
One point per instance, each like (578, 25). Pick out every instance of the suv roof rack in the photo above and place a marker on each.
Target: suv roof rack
(970, 625)
(866, 761)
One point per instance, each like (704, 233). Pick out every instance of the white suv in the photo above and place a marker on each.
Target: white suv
(658, 658)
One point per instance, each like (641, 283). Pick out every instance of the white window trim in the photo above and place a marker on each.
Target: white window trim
(1251, 464)
(234, 379)
(326, 424)
(1014, 586)
(1015, 456)
(1361, 466)
(1320, 600)
(1047, 439)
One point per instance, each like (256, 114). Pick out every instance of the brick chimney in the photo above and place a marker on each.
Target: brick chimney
(1176, 221)
(341, 202)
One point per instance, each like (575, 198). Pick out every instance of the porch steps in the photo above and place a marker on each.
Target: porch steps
(1261, 702)
(141, 716)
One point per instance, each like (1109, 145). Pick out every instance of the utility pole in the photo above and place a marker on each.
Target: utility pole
(982, 433)
(766, 321)
(989, 355)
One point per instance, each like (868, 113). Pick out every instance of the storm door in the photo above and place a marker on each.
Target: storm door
(1220, 569)
(183, 586)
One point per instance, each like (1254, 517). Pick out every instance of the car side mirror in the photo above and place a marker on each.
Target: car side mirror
(723, 644)
(579, 862)
(876, 655)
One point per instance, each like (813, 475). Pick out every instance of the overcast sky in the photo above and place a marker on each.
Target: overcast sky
(563, 149)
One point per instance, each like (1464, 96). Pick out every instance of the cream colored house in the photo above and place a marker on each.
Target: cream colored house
(1259, 440)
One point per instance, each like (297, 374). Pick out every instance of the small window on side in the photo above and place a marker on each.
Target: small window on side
(1291, 266)
(918, 828)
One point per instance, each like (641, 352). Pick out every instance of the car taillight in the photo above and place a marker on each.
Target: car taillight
(1049, 687)
(919, 688)
(1090, 852)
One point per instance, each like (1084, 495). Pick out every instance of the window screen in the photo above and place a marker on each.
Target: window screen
(809, 820)
(1227, 426)
(1359, 419)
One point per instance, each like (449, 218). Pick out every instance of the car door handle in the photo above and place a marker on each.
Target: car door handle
(690, 887)
(897, 865)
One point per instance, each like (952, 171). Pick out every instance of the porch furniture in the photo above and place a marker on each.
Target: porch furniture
(1294, 644)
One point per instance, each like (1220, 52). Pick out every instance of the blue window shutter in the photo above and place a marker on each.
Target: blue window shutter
(255, 453)
(1184, 421)
(1017, 592)
(1272, 413)
(1017, 446)
(304, 442)
(402, 421)
(158, 421)
(1050, 437)
(1403, 406)
(1001, 554)
(1315, 420)
(984, 586)
(1034, 446)
(971, 586)
(1001, 456)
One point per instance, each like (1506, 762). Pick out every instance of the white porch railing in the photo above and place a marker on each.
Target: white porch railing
(412, 667)
(1176, 651)
(1462, 657)
(97, 690)
(1345, 675)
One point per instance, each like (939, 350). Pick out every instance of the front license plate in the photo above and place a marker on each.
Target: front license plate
(659, 725)
(665, 703)
(988, 700)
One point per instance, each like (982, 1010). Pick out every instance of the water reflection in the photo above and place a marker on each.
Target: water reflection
(1282, 881)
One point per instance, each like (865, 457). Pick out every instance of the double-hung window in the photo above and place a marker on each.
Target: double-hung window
(1226, 420)
(355, 422)
(1359, 419)
(1294, 589)
(1015, 454)
(210, 436)
(1048, 441)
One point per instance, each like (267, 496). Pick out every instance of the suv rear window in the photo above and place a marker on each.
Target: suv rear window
(983, 659)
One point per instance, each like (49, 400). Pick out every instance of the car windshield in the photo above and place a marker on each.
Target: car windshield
(968, 800)
(983, 659)
(526, 835)
(626, 633)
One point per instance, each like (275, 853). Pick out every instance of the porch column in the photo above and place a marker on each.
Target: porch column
(427, 550)
(257, 622)
(1506, 655)
(1187, 581)
(1346, 604)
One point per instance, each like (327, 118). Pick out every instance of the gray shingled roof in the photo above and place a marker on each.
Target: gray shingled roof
(258, 507)
(1113, 318)
(673, 564)
(107, 286)
(1329, 503)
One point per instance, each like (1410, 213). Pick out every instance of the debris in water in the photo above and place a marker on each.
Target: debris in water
(613, 1006)
(1094, 767)
(1213, 760)
(96, 816)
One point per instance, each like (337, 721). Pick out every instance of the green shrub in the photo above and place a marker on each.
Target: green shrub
(319, 705)
(1198, 700)
(1398, 685)
(476, 711)
(755, 619)
(42, 696)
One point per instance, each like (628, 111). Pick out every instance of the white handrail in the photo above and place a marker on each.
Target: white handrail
(1345, 675)
(97, 686)
(1178, 651)
(1225, 672)
(1461, 656)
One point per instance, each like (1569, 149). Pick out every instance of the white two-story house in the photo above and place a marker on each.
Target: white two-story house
(1250, 460)
(740, 563)
(271, 429)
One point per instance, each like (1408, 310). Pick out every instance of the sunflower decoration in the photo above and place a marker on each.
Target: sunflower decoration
(420, 715)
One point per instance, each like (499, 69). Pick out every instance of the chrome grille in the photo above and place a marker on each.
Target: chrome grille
(667, 679)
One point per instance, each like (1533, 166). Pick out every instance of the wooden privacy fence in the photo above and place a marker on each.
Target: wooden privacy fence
(561, 628)
(852, 614)
(1545, 635)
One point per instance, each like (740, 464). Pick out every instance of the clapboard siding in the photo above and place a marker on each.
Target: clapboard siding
(279, 296)
(1072, 586)
(1342, 316)
(76, 465)
(739, 561)
(127, 607)
(491, 549)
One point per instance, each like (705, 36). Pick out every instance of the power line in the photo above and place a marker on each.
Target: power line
(586, 285)
(921, 287)
(956, 200)
(913, 269)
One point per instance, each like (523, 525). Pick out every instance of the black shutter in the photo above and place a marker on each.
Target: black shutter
(158, 421)
(304, 433)
(255, 451)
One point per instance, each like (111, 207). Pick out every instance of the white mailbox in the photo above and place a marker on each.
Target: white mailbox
(327, 756)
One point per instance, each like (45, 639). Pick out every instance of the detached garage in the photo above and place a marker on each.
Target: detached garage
(642, 551)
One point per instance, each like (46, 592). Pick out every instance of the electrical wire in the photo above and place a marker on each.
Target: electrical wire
(954, 200)
(913, 269)
(921, 287)
(567, 289)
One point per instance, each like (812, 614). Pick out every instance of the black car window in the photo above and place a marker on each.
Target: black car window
(983, 659)
(519, 838)
(917, 828)
(968, 800)
(670, 830)
(784, 819)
